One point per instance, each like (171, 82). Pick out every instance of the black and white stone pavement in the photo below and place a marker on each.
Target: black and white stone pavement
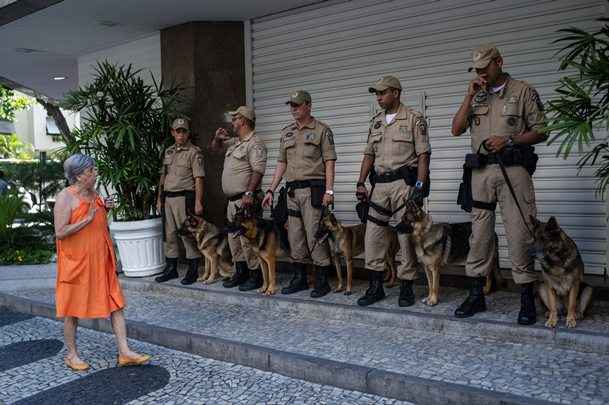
(32, 372)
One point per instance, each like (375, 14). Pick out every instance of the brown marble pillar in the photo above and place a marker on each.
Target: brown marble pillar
(207, 58)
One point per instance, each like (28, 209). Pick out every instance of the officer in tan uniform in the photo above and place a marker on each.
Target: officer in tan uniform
(181, 192)
(244, 166)
(307, 157)
(505, 118)
(397, 154)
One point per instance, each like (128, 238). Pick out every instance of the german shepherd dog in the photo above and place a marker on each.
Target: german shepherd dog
(266, 240)
(562, 270)
(213, 245)
(348, 241)
(437, 244)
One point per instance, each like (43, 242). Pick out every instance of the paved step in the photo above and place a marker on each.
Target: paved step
(419, 354)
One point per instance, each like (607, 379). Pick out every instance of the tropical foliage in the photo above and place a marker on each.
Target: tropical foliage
(581, 109)
(125, 127)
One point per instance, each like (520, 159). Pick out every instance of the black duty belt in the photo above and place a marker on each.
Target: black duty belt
(170, 194)
(406, 173)
(388, 177)
(293, 185)
(237, 197)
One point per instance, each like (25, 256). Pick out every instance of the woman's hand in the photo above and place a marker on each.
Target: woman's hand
(91, 213)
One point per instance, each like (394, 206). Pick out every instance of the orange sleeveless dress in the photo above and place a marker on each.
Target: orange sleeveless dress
(87, 285)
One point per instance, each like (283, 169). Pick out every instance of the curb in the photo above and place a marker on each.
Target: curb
(594, 342)
(313, 369)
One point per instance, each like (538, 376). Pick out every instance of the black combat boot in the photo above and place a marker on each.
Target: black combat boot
(239, 277)
(375, 291)
(298, 281)
(193, 272)
(254, 281)
(406, 293)
(321, 281)
(527, 314)
(170, 272)
(475, 300)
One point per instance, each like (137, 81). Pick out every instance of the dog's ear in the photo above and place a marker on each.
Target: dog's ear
(552, 227)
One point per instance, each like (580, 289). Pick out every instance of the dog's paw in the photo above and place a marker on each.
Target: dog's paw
(430, 301)
(338, 289)
(348, 292)
(552, 321)
(262, 289)
(270, 291)
(571, 321)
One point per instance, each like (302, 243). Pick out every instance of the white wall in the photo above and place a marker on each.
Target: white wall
(30, 125)
(143, 54)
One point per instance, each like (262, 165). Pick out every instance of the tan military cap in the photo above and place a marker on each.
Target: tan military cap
(384, 83)
(180, 123)
(299, 97)
(247, 112)
(483, 55)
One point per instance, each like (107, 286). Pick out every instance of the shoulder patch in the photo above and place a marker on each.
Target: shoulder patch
(377, 125)
(258, 151)
(329, 135)
(537, 99)
(289, 127)
(421, 123)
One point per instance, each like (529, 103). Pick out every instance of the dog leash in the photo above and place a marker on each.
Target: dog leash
(511, 188)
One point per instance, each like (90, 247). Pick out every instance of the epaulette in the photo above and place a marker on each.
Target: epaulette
(376, 115)
(291, 126)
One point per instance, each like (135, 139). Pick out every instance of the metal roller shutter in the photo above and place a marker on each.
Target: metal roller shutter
(335, 50)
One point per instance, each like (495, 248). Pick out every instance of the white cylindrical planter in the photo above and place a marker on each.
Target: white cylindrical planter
(140, 246)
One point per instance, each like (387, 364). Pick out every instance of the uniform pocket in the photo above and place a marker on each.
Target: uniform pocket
(183, 169)
(240, 153)
(311, 147)
(511, 119)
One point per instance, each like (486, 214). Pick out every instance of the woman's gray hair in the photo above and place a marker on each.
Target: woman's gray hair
(75, 165)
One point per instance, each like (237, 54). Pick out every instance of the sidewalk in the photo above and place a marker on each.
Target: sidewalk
(419, 354)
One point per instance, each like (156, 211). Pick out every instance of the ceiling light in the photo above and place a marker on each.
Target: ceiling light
(59, 78)
(27, 50)
(109, 23)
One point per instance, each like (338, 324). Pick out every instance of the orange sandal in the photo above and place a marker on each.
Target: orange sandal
(133, 361)
(76, 366)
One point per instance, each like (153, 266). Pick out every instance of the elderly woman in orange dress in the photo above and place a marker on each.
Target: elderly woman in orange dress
(87, 285)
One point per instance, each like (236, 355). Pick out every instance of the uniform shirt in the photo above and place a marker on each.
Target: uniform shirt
(399, 143)
(514, 109)
(242, 159)
(181, 165)
(306, 150)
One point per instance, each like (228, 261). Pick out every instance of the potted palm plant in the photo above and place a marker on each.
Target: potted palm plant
(125, 126)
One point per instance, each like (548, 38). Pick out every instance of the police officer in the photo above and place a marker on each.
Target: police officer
(307, 157)
(181, 192)
(244, 166)
(398, 154)
(505, 117)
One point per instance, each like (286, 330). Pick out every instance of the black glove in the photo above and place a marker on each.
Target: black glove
(418, 195)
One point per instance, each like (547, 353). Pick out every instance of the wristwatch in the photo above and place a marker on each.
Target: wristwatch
(248, 193)
(418, 184)
(361, 184)
(330, 192)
